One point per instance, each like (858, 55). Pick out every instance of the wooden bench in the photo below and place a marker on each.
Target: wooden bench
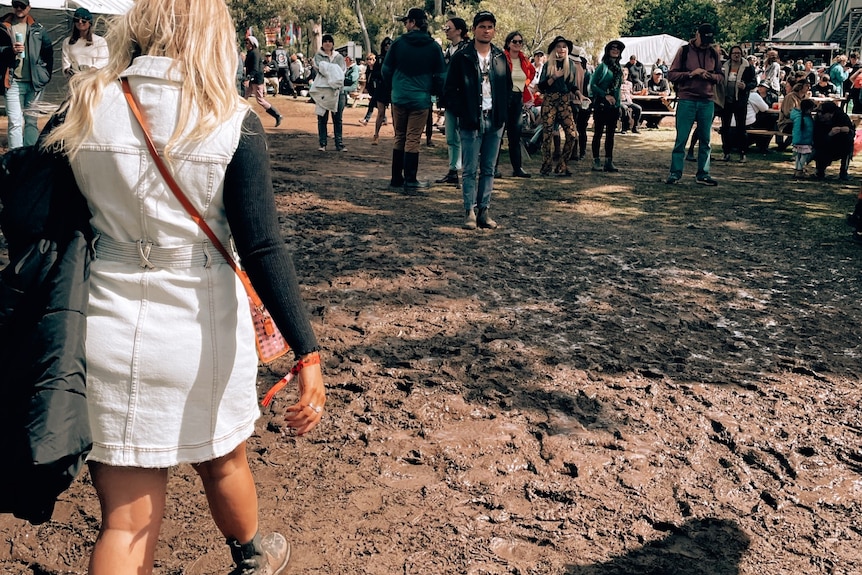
(357, 96)
(769, 133)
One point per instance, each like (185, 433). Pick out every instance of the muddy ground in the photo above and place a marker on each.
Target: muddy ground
(624, 378)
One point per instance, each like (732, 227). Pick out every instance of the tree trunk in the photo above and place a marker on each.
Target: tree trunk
(361, 18)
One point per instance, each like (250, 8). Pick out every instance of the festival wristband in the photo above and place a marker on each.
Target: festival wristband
(312, 359)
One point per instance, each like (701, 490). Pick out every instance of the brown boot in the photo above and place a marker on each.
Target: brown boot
(470, 220)
(484, 220)
(260, 556)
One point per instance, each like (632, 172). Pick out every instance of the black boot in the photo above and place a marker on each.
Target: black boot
(274, 113)
(397, 169)
(843, 175)
(854, 219)
(516, 159)
(411, 167)
(451, 177)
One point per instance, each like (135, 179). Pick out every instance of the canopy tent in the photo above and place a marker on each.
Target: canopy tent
(650, 48)
(840, 22)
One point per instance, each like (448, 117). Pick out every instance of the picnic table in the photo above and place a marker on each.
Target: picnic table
(654, 108)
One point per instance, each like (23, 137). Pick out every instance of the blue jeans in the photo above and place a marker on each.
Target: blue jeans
(479, 150)
(687, 113)
(22, 129)
(453, 141)
(337, 123)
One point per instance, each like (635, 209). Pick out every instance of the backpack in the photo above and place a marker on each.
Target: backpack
(280, 57)
(351, 77)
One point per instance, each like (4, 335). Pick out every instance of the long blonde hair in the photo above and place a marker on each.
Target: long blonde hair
(200, 37)
(568, 69)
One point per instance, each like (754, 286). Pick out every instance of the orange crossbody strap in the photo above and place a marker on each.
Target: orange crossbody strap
(314, 359)
(184, 200)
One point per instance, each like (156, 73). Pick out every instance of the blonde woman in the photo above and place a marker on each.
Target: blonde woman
(83, 49)
(171, 358)
(559, 83)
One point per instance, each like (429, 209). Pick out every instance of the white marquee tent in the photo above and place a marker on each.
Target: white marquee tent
(649, 48)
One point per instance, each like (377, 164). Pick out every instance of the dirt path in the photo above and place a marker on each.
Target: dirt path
(624, 378)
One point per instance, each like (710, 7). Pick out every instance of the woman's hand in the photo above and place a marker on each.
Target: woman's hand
(611, 100)
(304, 415)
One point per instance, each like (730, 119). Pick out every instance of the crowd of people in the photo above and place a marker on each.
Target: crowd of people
(550, 107)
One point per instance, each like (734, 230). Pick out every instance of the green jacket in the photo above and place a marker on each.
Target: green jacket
(602, 84)
(414, 70)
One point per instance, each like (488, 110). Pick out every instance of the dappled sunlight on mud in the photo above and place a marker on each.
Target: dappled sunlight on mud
(623, 378)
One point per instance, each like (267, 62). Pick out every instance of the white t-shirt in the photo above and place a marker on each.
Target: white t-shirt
(755, 104)
(485, 72)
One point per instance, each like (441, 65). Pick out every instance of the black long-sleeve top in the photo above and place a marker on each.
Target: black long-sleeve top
(251, 213)
(254, 66)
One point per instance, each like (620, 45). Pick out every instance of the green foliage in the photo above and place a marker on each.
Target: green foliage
(736, 21)
(678, 18)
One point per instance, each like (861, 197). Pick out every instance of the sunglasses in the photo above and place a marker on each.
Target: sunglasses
(19, 5)
(516, 41)
(79, 20)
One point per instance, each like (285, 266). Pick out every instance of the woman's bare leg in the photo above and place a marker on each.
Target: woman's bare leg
(231, 494)
(133, 504)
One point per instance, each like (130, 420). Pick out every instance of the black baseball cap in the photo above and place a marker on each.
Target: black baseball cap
(707, 33)
(415, 14)
(483, 16)
(83, 14)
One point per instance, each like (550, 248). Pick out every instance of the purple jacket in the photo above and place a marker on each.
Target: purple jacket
(688, 58)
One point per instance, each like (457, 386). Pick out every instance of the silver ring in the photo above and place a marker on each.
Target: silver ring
(315, 408)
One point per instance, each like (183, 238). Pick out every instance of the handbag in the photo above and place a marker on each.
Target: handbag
(269, 341)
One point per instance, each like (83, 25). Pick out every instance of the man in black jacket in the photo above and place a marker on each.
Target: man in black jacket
(26, 63)
(477, 92)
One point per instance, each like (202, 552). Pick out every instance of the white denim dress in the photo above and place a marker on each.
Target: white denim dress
(171, 362)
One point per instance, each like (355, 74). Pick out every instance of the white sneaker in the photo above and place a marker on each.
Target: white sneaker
(321, 149)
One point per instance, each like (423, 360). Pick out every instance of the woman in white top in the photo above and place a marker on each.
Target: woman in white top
(83, 49)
